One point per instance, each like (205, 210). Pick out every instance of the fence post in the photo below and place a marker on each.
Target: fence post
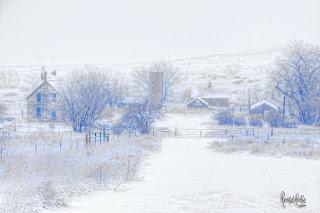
(35, 150)
(60, 146)
(175, 131)
(100, 174)
(100, 137)
(1, 154)
(272, 132)
(200, 133)
(87, 139)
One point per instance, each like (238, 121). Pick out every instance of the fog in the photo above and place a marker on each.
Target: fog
(104, 31)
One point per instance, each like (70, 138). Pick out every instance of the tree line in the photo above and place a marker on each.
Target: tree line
(85, 95)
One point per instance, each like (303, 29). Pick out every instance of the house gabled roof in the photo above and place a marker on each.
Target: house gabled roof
(200, 99)
(38, 87)
(208, 100)
(264, 102)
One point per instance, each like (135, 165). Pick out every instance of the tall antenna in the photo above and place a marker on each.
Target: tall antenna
(43, 73)
(249, 101)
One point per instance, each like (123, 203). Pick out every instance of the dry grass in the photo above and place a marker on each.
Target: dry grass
(273, 147)
(62, 167)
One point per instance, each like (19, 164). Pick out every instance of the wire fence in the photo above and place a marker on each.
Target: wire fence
(36, 138)
(260, 133)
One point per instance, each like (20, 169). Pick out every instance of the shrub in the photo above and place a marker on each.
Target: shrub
(289, 125)
(49, 196)
(275, 120)
(256, 122)
(224, 118)
(240, 121)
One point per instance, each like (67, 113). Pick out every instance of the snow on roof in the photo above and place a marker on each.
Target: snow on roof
(215, 96)
(39, 86)
(264, 102)
(200, 99)
(207, 99)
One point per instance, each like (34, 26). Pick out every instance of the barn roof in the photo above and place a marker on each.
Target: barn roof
(38, 87)
(264, 102)
(208, 100)
(200, 99)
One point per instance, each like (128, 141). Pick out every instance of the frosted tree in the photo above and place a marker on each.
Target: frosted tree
(297, 77)
(115, 91)
(2, 110)
(171, 77)
(141, 116)
(6, 78)
(83, 99)
(113, 84)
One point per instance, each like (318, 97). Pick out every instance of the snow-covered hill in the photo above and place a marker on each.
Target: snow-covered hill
(222, 74)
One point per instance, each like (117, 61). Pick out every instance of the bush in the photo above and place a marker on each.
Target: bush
(224, 118)
(256, 122)
(289, 125)
(49, 196)
(275, 120)
(239, 121)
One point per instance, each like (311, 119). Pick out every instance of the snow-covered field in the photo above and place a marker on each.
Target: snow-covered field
(45, 169)
(189, 177)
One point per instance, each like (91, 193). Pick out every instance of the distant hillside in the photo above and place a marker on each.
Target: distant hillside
(223, 74)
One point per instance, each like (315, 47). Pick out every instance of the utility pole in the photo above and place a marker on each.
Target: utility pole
(249, 102)
(283, 109)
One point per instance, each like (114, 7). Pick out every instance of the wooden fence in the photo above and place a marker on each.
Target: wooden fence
(247, 132)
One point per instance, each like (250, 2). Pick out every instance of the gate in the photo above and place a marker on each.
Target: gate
(97, 137)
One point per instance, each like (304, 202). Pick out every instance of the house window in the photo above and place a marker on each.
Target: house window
(53, 96)
(53, 116)
(38, 112)
(38, 97)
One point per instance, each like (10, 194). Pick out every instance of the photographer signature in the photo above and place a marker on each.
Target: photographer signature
(298, 200)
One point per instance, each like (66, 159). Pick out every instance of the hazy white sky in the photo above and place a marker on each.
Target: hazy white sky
(105, 31)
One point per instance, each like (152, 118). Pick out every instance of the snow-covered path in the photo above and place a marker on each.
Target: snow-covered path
(187, 177)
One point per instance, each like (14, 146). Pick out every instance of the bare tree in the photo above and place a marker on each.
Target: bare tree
(115, 91)
(140, 116)
(2, 110)
(171, 77)
(83, 99)
(297, 76)
(6, 78)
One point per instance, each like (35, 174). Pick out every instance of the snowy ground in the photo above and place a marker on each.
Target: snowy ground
(188, 177)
